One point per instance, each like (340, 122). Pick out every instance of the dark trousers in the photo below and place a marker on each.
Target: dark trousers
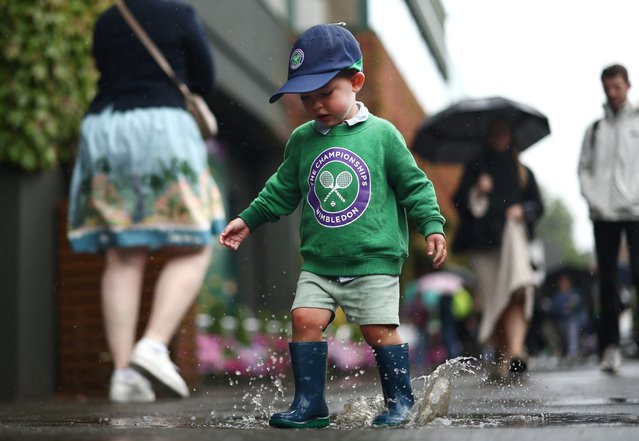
(607, 242)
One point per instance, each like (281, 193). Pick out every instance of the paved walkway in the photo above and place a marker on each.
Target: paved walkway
(576, 404)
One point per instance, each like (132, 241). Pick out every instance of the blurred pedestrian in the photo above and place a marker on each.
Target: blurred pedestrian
(141, 182)
(356, 181)
(498, 202)
(566, 308)
(438, 305)
(610, 184)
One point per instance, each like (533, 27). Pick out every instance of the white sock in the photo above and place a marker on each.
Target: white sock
(131, 376)
(154, 345)
(125, 372)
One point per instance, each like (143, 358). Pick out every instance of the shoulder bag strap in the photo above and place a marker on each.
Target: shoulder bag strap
(151, 47)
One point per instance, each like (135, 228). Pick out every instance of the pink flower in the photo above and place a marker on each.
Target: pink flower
(347, 355)
(210, 352)
(265, 355)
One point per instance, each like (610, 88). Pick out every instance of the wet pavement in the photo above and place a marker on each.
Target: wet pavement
(576, 403)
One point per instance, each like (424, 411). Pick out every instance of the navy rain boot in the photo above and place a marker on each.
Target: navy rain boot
(394, 372)
(309, 409)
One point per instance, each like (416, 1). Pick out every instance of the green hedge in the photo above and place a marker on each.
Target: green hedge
(47, 78)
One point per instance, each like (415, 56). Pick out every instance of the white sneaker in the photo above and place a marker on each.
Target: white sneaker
(130, 387)
(611, 360)
(158, 365)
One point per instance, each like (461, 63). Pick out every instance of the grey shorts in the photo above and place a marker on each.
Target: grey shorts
(366, 300)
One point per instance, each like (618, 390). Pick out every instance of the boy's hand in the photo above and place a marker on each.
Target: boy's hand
(436, 248)
(234, 234)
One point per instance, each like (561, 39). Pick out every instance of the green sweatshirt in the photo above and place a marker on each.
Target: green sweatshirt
(356, 185)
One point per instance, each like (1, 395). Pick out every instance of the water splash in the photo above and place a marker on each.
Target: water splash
(432, 400)
(359, 412)
(257, 395)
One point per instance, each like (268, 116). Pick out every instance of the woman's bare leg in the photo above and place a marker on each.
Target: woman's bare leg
(176, 289)
(511, 328)
(121, 287)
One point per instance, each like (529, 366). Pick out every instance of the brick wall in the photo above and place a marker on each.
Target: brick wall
(386, 94)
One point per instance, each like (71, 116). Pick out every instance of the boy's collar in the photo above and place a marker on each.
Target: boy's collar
(361, 116)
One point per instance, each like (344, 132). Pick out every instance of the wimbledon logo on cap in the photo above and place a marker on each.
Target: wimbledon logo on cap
(297, 58)
(339, 187)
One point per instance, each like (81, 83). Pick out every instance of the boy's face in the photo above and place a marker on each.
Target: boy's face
(335, 102)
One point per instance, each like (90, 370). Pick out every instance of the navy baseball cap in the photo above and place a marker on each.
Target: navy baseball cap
(317, 56)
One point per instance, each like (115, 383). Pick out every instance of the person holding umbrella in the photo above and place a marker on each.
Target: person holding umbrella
(498, 203)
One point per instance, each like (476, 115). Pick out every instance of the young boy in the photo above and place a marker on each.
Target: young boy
(356, 181)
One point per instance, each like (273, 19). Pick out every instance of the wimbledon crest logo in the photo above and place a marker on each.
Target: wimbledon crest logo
(339, 187)
(297, 58)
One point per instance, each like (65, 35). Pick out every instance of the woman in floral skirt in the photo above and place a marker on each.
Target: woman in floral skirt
(141, 182)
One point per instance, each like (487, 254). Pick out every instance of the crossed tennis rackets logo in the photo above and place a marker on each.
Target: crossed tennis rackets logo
(343, 180)
(339, 187)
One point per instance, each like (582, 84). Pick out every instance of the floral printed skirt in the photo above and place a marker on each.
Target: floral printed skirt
(142, 178)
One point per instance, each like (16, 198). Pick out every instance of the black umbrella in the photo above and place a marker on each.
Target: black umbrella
(457, 134)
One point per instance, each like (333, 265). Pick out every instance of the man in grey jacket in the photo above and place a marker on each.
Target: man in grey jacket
(609, 180)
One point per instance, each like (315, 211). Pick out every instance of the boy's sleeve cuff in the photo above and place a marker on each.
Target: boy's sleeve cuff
(252, 218)
(432, 228)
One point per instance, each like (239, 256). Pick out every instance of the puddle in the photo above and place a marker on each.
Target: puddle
(536, 420)
(432, 400)
(432, 403)
(355, 400)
